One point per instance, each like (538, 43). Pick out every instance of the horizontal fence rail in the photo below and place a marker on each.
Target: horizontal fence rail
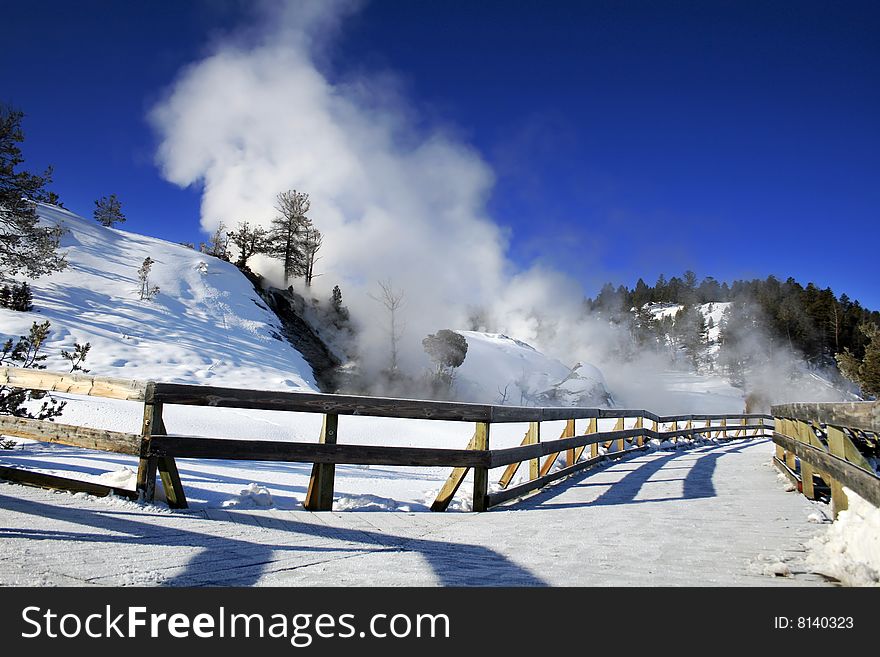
(158, 451)
(825, 447)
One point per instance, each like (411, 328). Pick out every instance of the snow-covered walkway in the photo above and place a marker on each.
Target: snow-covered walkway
(713, 515)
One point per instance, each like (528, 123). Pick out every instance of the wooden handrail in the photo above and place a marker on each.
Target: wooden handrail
(77, 384)
(855, 415)
(157, 451)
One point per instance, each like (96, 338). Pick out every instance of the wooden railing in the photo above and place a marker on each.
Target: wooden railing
(826, 447)
(157, 451)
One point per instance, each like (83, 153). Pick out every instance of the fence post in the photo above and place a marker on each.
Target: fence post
(481, 474)
(593, 427)
(618, 426)
(320, 493)
(147, 465)
(791, 432)
(534, 439)
(839, 501)
(803, 436)
(570, 433)
(640, 424)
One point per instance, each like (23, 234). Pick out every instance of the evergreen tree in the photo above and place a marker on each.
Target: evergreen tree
(18, 297)
(690, 332)
(25, 352)
(25, 246)
(285, 240)
(864, 371)
(641, 294)
(250, 240)
(448, 350)
(339, 310)
(108, 211)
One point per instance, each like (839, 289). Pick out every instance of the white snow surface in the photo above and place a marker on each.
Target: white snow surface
(849, 550)
(207, 324)
(495, 362)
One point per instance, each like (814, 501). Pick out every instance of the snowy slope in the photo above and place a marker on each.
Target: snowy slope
(206, 325)
(499, 369)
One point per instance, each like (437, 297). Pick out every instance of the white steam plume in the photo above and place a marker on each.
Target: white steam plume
(252, 120)
(260, 115)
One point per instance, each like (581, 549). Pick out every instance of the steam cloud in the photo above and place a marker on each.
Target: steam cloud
(260, 116)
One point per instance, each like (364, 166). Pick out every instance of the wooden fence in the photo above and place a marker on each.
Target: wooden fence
(158, 451)
(824, 447)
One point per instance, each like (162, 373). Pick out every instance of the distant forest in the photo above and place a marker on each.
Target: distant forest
(813, 321)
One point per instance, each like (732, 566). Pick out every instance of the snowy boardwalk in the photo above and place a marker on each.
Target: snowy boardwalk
(713, 515)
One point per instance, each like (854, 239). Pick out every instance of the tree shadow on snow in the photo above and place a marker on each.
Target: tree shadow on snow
(223, 560)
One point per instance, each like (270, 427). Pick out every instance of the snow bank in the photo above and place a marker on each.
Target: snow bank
(206, 325)
(502, 370)
(849, 551)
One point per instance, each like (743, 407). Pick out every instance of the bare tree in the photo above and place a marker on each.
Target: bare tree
(218, 245)
(147, 291)
(311, 244)
(393, 301)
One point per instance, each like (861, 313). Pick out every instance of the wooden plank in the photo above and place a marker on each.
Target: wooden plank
(534, 439)
(839, 500)
(67, 434)
(168, 473)
(863, 483)
(321, 453)
(858, 415)
(148, 463)
(640, 439)
(511, 470)
(791, 431)
(803, 436)
(452, 483)
(507, 455)
(517, 491)
(481, 474)
(567, 432)
(76, 384)
(55, 482)
(319, 496)
(790, 475)
(780, 450)
(322, 403)
(593, 427)
(618, 426)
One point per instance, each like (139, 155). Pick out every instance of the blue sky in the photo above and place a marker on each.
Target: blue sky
(736, 139)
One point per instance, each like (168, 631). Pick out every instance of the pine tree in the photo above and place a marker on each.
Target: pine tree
(339, 310)
(865, 371)
(18, 297)
(250, 240)
(448, 350)
(108, 211)
(25, 246)
(25, 352)
(285, 240)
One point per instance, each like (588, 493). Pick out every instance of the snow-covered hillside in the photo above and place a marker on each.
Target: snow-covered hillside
(206, 325)
(502, 370)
